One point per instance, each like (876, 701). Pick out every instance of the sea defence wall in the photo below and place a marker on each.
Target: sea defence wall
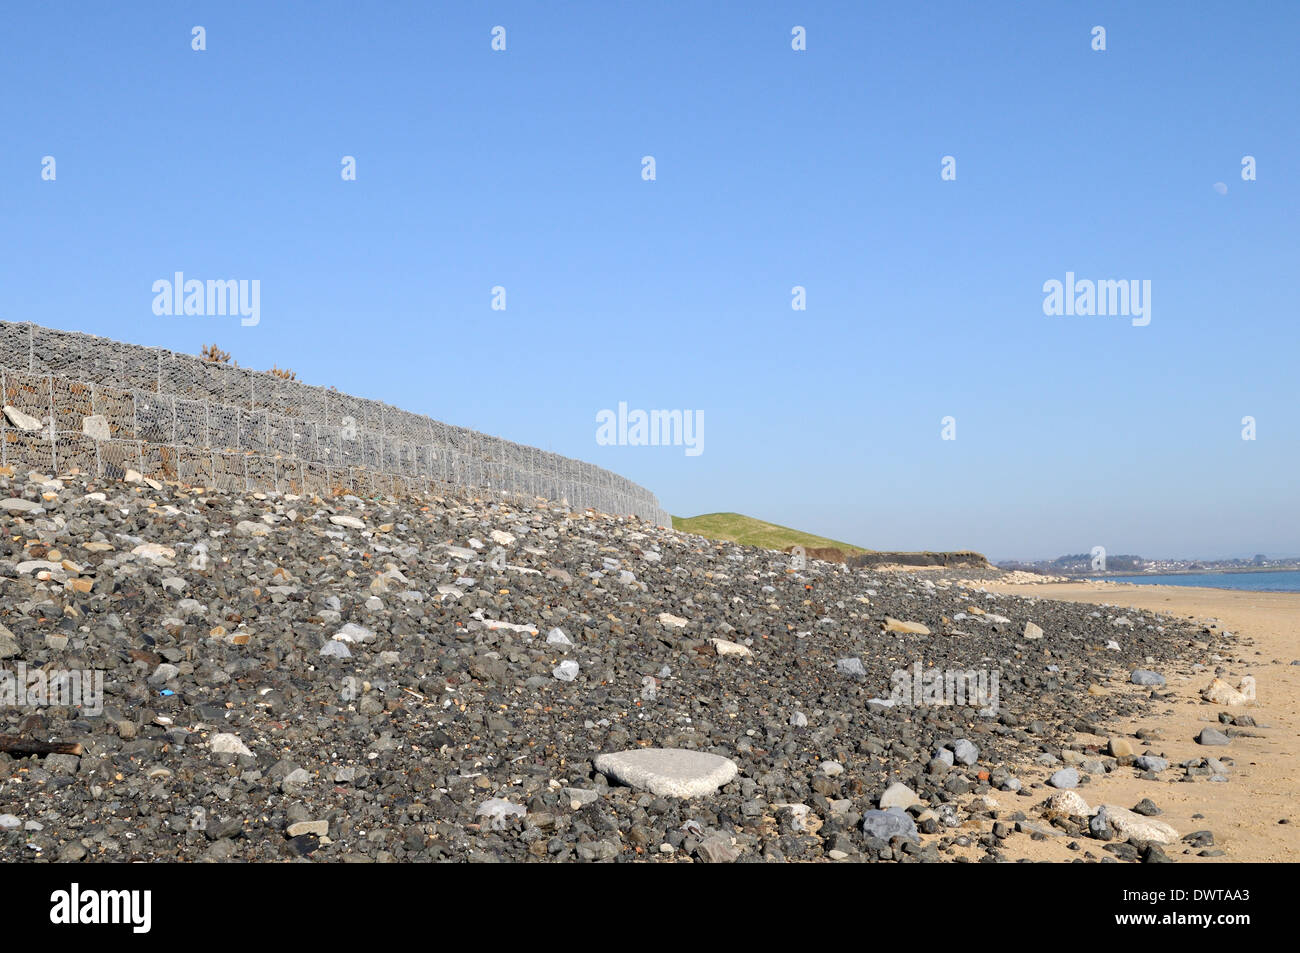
(178, 417)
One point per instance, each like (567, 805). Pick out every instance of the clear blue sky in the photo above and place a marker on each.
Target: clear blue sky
(775, 168)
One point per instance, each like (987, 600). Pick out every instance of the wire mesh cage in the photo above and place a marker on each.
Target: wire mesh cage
(180, 417)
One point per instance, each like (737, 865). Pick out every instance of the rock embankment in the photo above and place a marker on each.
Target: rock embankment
(348, 679)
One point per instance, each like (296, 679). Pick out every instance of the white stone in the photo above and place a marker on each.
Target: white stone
(21, 420)
(512, 626)
(37, 565)
(1131, 824)
(1032, 632)
(96, 427)
(354, 633)
(227, 743)
(498, 812)
(154, 552)
(899, 794)
(351, 522)
(724, 647)
(668, 772)
(1069, 803)
(908, 628)
(26, 507)
(319, 828)
(671, 621)
(1220, 692)
(501, 538)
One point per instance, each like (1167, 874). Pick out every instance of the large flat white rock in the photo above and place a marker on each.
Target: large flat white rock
(1131, 824)
(668, 772)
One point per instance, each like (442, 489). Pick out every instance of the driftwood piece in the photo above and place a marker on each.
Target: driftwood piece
(15, 744)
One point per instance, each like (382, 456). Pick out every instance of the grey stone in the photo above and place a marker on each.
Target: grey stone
(890, 823)
(355, 633)
(1065, 778)
(965, 752)
(598, 850)
(1212, 736)
(1142, 676)
(1149, 762)
(296, 781)
(717, 849)
(581, 796)
(851, 666)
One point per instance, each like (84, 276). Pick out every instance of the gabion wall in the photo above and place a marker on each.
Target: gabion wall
(178, 417)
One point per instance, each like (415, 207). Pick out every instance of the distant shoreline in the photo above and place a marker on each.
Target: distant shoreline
(1184, 572)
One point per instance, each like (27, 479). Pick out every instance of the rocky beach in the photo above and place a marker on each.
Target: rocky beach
(429, 678)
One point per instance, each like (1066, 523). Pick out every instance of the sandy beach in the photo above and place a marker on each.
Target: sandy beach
(1254, 817)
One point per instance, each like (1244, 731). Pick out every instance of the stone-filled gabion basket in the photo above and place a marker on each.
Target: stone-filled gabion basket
(105, 407)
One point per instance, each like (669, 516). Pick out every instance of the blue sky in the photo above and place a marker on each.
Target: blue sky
(775, 168)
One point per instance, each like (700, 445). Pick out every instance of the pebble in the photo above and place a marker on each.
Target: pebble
(1070, 803)
(225, 743)
(1143, 676)
(900, 795)
(965, 752)
(1212, 736)
(1065, 779)
(888, 824)
(851, 666)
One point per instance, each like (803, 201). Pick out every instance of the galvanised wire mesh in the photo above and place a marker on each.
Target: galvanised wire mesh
(178, 417)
